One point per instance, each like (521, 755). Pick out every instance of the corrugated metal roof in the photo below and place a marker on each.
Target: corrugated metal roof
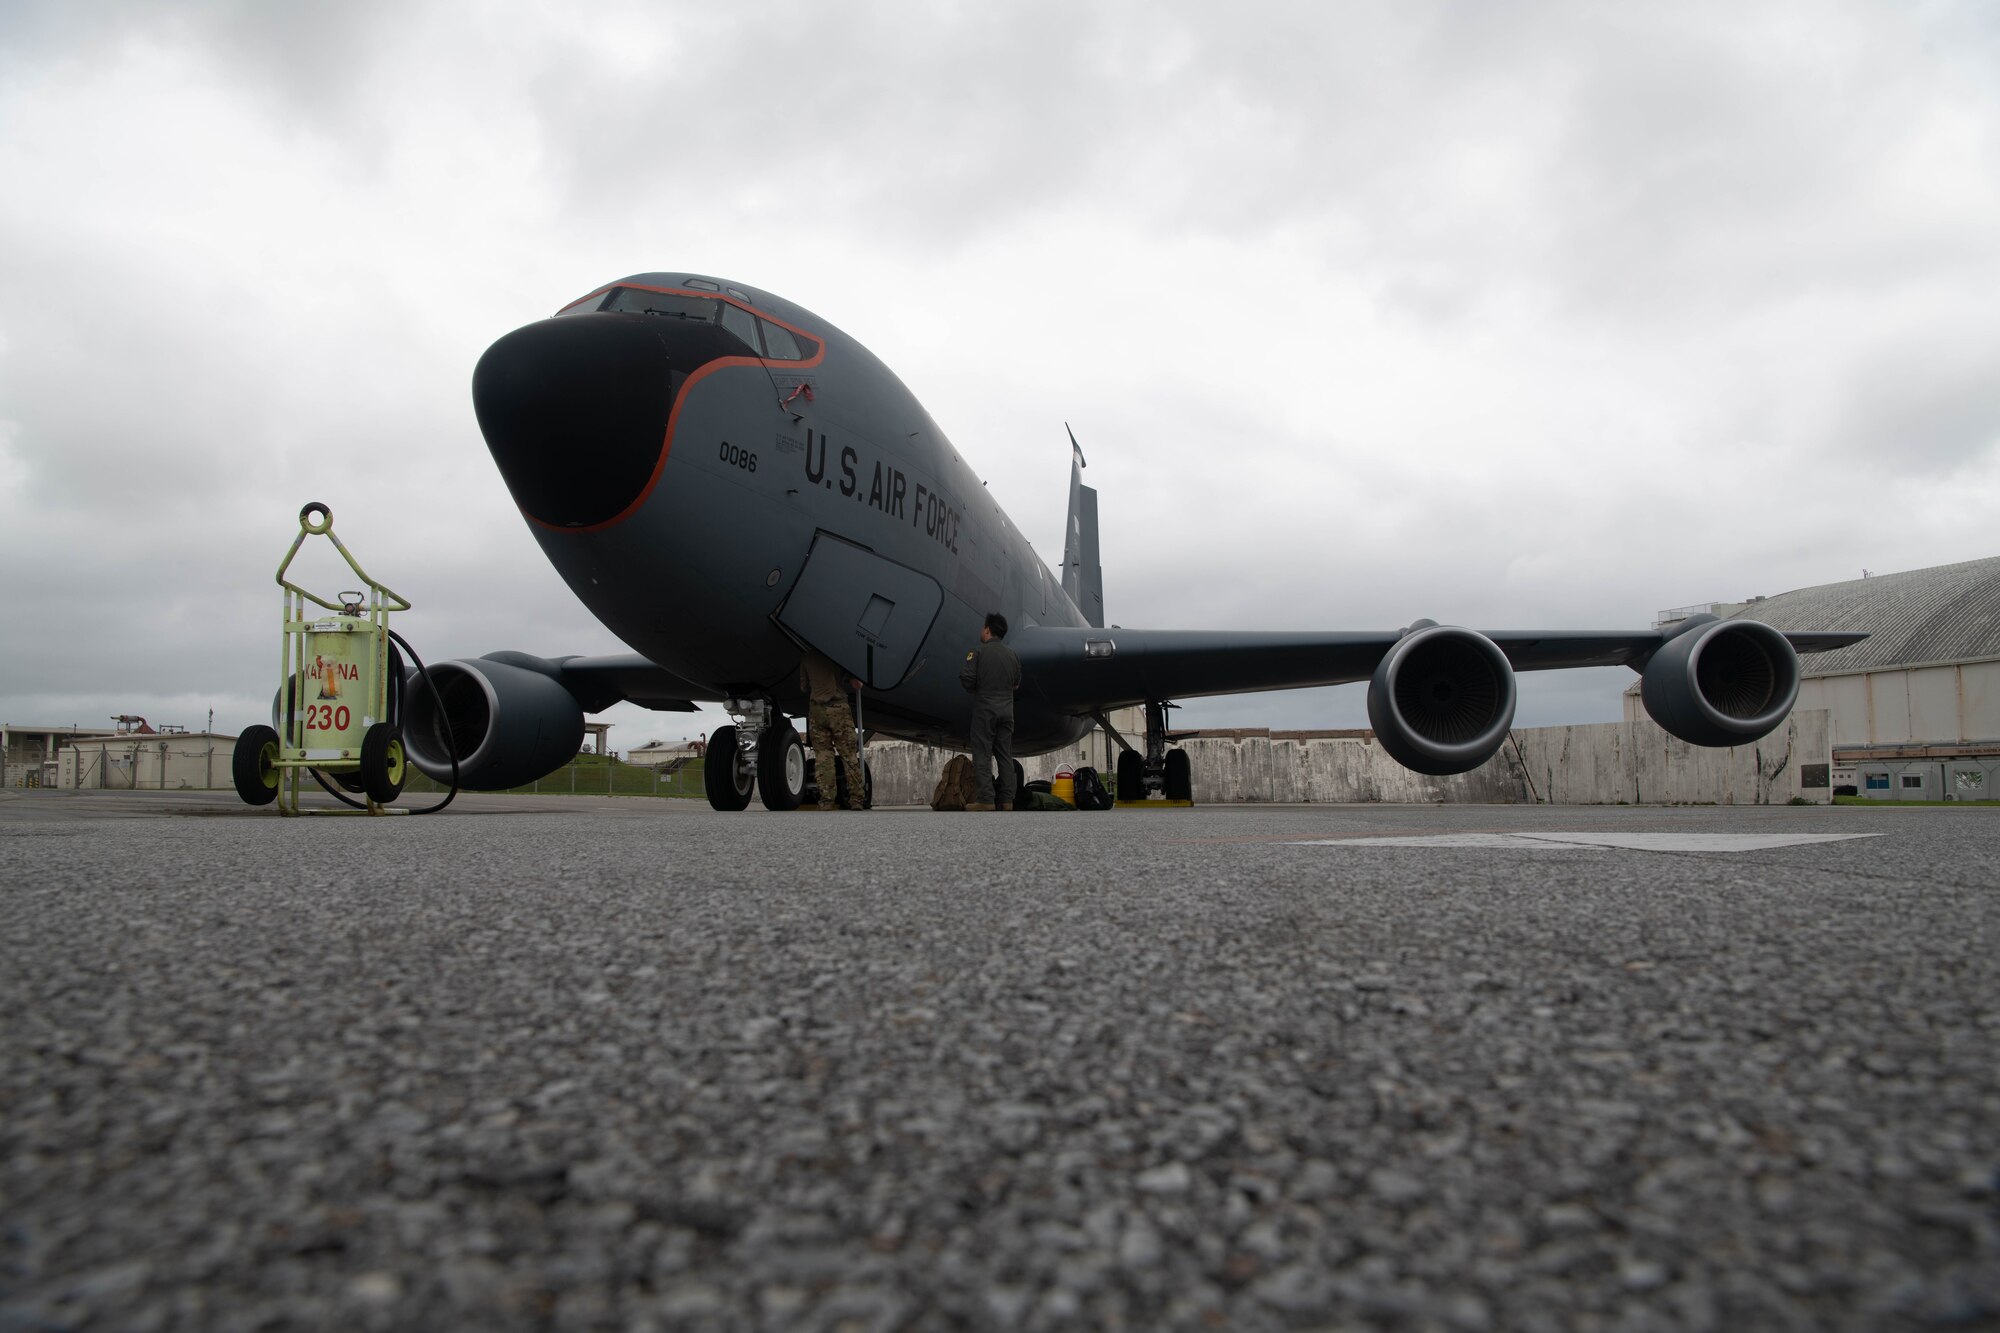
(1948, 613)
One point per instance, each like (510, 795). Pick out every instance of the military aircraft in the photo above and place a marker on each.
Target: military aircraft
(724, 478)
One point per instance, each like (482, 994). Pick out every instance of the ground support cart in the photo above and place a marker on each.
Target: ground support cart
(338, 711)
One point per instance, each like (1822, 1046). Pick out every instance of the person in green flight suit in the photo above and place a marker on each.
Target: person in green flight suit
(992, 674)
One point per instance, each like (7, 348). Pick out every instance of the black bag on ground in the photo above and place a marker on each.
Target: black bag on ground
(1090, 791)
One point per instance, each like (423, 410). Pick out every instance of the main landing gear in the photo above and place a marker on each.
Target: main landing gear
(761, 752)
(1156, 773)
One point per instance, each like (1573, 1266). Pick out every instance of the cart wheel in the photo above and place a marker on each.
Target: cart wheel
(254, 766)
(382, 765)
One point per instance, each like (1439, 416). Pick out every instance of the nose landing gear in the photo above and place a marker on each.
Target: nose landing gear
(728, 774)
(781, 766)
(761, 751)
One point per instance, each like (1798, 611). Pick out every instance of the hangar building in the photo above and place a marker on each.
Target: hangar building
(1915, 707)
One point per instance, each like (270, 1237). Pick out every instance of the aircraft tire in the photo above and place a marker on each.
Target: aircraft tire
(725, 778)
(1180, 776)
(384, 767)
(254, 765)
(1131, 776)
(781, 766)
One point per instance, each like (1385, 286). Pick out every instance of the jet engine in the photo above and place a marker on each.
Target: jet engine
(1441, 699)
(506, 715)
(1721, 682)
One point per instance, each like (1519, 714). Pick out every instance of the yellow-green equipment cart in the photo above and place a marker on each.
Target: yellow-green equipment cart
(339, 707)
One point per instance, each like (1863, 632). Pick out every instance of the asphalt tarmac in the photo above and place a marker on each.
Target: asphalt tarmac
(582, 1063)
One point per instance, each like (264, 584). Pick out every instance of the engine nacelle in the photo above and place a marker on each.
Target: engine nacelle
(508, 724)
(1441, 699)
(1721, 682)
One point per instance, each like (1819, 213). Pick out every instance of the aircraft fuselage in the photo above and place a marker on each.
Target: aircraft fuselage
(679, 446)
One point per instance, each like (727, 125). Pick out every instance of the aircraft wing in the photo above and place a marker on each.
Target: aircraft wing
(599, 682)
(1072, 670)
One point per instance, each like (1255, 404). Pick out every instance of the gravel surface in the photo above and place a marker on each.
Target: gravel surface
(634, 1064)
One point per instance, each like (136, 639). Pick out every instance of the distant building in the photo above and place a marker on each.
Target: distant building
(658, 754)
(29, 750)
(147, 761)
(1915, 707)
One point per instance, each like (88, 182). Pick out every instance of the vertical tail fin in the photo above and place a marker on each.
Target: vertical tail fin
(1082, 575)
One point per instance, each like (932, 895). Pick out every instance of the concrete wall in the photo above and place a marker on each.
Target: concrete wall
(1600, 764)
(1640, 763)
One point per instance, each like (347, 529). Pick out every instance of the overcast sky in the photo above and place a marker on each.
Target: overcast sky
(1525, 315)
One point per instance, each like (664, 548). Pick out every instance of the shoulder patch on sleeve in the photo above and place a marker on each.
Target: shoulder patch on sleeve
(970, 656)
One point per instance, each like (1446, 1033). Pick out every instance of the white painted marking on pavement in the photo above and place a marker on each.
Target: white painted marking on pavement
(1636, 842)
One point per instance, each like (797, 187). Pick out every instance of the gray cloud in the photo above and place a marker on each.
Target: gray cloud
(1926, 408)
(307, 58)
(1545, 314)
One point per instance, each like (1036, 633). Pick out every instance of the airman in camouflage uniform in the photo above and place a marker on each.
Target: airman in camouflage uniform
(830, 728)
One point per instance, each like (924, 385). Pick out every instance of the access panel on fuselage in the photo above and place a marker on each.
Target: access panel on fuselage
(867, 613)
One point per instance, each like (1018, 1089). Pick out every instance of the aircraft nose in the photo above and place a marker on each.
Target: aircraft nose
(575, 410)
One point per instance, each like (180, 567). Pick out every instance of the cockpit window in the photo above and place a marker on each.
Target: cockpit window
(639, 301)
(763, 338)
(743, 324)
(780, 343)
(702, 285)
(583, 307)
(707, 309)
